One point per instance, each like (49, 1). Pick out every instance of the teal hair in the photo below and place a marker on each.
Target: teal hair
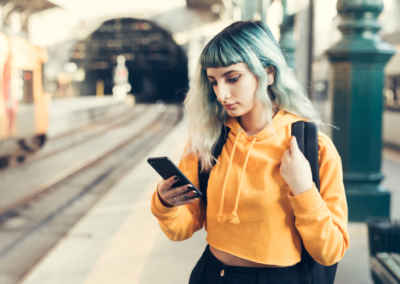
(237, 43)
(252, 43)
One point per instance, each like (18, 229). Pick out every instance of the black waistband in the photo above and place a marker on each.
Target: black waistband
(216, 265)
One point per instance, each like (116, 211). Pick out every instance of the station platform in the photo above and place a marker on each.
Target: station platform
(68, 114)
(119, 240)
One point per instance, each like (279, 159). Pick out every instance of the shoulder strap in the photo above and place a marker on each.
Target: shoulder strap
(299, 130)
(306, 134)
(205, 175)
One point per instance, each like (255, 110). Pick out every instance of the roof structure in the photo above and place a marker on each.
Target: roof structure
(33, 5)
(25, 8)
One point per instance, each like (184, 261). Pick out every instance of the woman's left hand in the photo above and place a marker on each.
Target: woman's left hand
(295, 169)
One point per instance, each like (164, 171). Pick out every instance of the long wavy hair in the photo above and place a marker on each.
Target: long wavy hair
(252, 43)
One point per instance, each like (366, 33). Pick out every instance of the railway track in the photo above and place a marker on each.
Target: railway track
(83, 134)
(33, 223)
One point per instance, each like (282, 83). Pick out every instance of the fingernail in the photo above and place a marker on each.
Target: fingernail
(176, 178)
(189, 185)
(194, 193)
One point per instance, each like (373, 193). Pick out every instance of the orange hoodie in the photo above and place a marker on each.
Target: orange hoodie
(251, 212)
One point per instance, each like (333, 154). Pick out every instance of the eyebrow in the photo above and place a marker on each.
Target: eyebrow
(227, 73)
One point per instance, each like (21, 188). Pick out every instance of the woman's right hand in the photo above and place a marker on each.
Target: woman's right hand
(170, 197)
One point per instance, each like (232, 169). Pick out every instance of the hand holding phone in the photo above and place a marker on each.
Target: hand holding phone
(176, 189)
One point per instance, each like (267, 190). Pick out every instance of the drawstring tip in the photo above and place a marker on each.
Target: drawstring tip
(235, 219)
(221, 218)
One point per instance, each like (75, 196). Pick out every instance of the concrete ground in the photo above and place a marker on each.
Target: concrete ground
(119, 240)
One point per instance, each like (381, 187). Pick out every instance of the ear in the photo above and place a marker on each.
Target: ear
(271, 74)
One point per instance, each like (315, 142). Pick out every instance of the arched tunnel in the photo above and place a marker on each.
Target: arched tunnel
(157, 66)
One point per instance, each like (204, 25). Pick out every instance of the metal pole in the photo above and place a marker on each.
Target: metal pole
(249, 8)
(310, 44)
(286, 41)
(264, 5)
(304, 43)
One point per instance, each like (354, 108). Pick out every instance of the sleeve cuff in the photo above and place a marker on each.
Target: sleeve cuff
(306, 202)
(160, 207)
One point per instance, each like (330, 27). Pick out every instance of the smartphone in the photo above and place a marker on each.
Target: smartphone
(166, 169)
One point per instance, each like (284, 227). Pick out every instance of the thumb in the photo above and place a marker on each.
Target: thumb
(294, 148)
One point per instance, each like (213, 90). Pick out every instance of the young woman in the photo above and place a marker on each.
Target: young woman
(261, 200)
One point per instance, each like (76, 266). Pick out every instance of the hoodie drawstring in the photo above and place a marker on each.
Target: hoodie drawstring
(221, 217)
(235, 219)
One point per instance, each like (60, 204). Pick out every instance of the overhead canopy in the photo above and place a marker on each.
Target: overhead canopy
(203, 4)
(25, 7)
(33, 5)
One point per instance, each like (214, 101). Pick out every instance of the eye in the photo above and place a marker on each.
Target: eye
(233, 80)
(213, 83)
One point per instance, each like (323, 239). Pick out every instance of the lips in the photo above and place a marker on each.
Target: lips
(230, 106)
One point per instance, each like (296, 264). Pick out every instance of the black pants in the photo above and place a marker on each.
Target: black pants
(210, 270)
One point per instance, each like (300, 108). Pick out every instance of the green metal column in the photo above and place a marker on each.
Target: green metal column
(263, 7)
(249, 8)
(286, 41)
(357, 61)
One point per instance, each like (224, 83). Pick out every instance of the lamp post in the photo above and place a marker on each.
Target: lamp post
(252, 7)
(286, 40)
(357, 62)
(249, 8)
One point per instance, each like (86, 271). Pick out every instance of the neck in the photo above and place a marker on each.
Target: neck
(251, 123)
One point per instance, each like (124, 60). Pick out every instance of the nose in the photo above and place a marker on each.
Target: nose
(222, 92)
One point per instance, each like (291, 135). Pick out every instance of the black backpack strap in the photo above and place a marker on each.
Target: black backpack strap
(204, 176)
(307, 262)
(306, 134)
(311, 149)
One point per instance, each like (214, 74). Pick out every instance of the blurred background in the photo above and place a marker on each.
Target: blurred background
(90, 89)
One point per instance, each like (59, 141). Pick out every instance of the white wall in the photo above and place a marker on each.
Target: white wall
(391, 128)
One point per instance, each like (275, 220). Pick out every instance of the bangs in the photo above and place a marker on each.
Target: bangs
(220, 53)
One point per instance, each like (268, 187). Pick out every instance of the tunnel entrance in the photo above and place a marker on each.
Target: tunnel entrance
(157, 66)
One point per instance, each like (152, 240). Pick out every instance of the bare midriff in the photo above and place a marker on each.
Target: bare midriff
(232, 260)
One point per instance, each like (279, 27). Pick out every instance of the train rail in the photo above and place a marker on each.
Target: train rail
(81, 135)
(33, 222)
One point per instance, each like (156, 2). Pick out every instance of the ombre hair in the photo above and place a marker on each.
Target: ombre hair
(252, 43)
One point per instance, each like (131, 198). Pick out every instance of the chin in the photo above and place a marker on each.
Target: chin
(234, 113)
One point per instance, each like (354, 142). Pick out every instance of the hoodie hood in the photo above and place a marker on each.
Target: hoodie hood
(279, 122)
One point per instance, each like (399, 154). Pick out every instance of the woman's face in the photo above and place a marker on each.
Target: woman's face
(235, 87)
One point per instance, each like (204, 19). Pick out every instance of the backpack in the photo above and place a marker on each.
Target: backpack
(306, 133)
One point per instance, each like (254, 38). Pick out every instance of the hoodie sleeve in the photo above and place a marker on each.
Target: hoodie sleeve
(321, 217)
(180, 222)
